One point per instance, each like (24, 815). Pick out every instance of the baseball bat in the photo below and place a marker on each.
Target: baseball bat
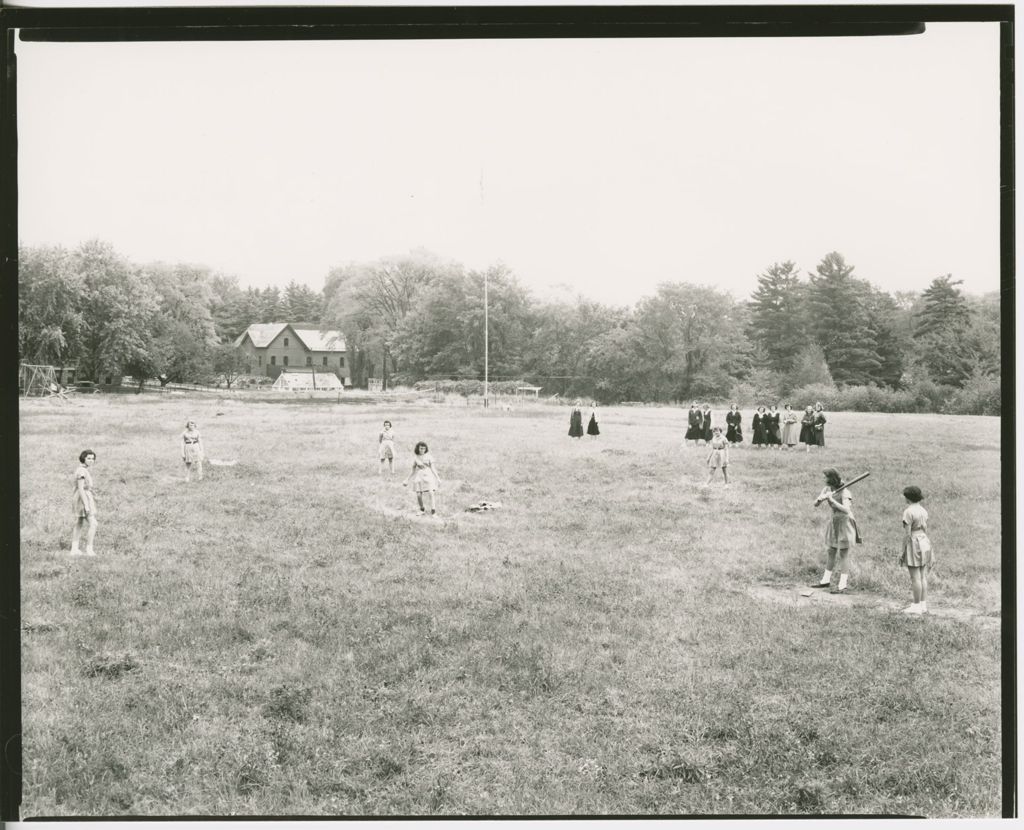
(861, 477)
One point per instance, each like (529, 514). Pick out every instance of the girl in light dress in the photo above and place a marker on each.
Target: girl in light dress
(719, 456)
(789, 427)
(386, 448)
(424, 477)
(917, 552)
(83, 504)
(192, 451)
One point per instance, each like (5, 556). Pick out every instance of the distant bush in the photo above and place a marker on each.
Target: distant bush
(811, 394)
(980, 395)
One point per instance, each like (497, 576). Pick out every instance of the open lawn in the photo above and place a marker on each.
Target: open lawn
(288, 636)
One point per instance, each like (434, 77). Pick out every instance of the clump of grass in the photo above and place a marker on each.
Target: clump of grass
(289, 703)
(111, 667)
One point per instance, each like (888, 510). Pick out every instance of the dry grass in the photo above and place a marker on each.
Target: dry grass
(287, 638)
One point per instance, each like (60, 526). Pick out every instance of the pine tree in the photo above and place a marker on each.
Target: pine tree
(840, 322)
(776, 324)
(940, 331)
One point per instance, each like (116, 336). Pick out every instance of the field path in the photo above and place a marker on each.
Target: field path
(802, 596)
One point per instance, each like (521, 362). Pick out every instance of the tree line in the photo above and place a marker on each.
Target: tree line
(825, 335)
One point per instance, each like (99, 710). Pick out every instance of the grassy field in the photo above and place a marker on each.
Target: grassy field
(290, 637)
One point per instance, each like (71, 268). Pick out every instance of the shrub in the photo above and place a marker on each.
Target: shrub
(812, 393)
(980, 395)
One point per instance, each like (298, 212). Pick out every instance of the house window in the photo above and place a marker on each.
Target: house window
(309, 360)
(341, 361)
(286, 360)
(286, 341)
(325, 360)
(273, 360)
(260, 358)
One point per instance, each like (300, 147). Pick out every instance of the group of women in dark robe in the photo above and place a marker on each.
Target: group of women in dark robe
(698, 424)
(770, 427)
(576, 422)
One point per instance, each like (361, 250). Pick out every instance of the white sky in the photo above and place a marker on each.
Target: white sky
(607, 166)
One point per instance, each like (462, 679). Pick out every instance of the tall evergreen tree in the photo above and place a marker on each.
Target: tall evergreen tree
(840, 322)
(776, 319)
(940, 330)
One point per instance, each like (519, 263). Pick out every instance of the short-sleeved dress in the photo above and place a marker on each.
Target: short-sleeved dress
(719, 452)
(192, 448)
(734, 426)
(387, 444)
(694, 427)
(841, 529)
(79, 505)
(917, 550)
(424, 479)
(789, 430)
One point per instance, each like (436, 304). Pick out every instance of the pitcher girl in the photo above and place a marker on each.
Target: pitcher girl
(424, 477)
(83, 503)
(719, 455)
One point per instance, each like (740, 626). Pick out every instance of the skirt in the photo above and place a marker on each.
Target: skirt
(424, 482)
(717, 460)
(193, 454)
(789, 434)
(694, 433)
(78, 507)
(840, 532)
(917, 551)
(387, 450)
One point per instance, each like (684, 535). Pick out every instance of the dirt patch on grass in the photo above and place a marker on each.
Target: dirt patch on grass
(804, 597)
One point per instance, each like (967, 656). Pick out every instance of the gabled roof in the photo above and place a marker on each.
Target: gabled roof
(321, 341)
(263, 334)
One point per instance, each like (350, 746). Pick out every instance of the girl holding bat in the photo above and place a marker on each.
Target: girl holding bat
(840, 531)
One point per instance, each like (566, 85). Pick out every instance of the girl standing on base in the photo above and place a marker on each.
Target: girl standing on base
(840, 531)
(719, 456)
(386, 448)
(917, 552)
(83, 504)
(192, 451)
(424, 477)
